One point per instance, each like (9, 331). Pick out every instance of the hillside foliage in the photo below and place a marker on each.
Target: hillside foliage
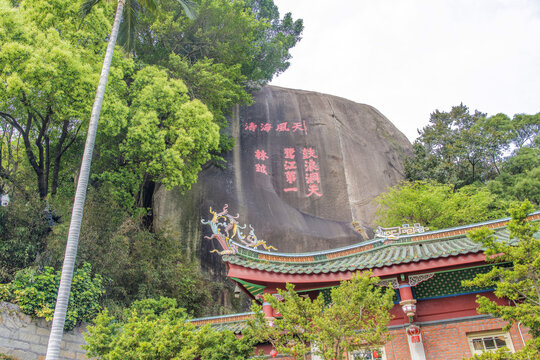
(520, 284)
(466, 167)
(163, 118)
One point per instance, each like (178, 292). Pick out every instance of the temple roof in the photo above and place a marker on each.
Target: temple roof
(378, 252)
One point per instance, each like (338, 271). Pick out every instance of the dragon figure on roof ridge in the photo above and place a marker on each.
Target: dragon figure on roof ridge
(227, 230)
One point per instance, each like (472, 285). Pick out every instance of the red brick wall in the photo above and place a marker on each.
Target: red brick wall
(398, 348)
(448, 341)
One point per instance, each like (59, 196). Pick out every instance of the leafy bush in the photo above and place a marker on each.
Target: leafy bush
(35, 293)
(158, 329)
(437, 205)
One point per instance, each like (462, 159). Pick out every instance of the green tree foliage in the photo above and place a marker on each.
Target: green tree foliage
(461, 148)
(357, 318)
(166, 136)
(158, 329)
(163, 117)
(291, 333)
(47, 80)
(35, 293)
(44, 108)
(6, 357)
(520, 177)
(23, 233)
(135, 262)
(520, 284)
(436, 205)
(450, 149)
(229, 48)
(466, 168)
(250, 34)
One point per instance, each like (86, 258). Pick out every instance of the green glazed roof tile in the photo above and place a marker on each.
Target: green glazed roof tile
(360, 257)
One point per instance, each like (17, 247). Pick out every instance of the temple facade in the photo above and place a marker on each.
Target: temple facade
(434, 317)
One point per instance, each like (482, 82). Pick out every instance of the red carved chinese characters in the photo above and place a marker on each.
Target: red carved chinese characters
(250, 127)
(288, 153)
(310, 165)
(290, 177)
(289, 165)
(311, 168)
(261, 168)
(312, 178)
(282, 127)
(290, 169)
(308, 153)
(266, 127)
(313, 189)
(261, 155)
(298, 126)
(309, 172)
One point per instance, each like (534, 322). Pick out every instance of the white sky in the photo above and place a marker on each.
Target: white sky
(408, 58)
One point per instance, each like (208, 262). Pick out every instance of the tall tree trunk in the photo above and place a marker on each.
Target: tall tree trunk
(57, 155)
(57, 328)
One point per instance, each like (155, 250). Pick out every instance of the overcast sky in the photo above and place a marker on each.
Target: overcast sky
(408, 58)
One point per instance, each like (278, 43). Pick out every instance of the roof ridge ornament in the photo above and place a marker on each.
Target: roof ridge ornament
(226, 229)
(395, 232)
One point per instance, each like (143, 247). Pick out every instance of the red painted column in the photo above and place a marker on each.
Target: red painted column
(267, 310)
(408, 304)
(405, 291)
(266, 307)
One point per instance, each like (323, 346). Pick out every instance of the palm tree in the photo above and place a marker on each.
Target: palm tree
(132, 8)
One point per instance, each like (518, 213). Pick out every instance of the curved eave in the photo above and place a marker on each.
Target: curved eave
(436, 235)
(439, 264)
(370, 258)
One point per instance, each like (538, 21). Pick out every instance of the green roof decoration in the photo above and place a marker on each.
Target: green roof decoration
(405, 229)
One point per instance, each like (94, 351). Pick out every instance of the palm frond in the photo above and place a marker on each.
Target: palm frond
(190, 8)
(149, 4)
(87, 6)
(128, 27)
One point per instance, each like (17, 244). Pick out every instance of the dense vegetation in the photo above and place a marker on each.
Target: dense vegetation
(35, 293)
(164, 115)
(466, 168)
(358, 303)
(520, 284)
(158, 329)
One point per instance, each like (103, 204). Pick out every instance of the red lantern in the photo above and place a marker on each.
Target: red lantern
(414, 332)
(375, 354)
(273, 353)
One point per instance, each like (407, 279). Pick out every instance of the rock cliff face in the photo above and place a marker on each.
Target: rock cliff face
(305, 166)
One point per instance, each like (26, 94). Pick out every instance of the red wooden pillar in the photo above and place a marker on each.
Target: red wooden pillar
(408, 304)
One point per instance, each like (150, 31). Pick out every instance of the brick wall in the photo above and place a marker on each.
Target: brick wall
(26, 338)
(448, 341)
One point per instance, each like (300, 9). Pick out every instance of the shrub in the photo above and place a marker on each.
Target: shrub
(35, 292)
(158, 329)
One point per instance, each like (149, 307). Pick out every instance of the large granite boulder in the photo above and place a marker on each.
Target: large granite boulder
(304, 168)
